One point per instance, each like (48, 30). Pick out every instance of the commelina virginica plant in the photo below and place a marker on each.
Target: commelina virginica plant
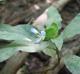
(49, 40)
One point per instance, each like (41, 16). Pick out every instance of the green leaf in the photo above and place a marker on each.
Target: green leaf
(20, 32)
(58, 42)
(72, 62)
(73, 28)
(7, 51)
(54, 16)
(49, 52)
(10, 49)
(22, 36)
(4, 35)
(45, 47)
(51, 31)
(50, 49)
(25, 30)
(6, 27)
(31, 47)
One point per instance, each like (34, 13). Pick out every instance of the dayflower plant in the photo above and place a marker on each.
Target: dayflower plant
(29, 39)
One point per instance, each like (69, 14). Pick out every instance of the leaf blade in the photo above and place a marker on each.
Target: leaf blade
(58, 42)
(54, 16)
(20, 32)
(73, 28)
(51, 31)
(72, 62)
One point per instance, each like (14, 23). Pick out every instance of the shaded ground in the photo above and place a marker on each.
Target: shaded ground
(36, 60)
(18, 11)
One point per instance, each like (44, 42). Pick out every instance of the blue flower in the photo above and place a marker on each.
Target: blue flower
(35, 31)
(41, 35)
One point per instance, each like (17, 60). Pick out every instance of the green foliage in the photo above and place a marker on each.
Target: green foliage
(73, 28)
(32, 47)
(20, 32)
(54, 16)
(72, 62)
(7, 51)
(10, 49)
(51, 31)
(50, 49)
(58, 42)
(50, 40)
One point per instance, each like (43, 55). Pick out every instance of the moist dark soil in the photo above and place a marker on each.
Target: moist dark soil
(37, 60)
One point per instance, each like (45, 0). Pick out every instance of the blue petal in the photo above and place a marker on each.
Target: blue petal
(43, 33)
(33, 30)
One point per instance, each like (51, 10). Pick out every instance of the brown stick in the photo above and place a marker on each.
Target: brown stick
(27, 14)
(60, 4)
(14, 63)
